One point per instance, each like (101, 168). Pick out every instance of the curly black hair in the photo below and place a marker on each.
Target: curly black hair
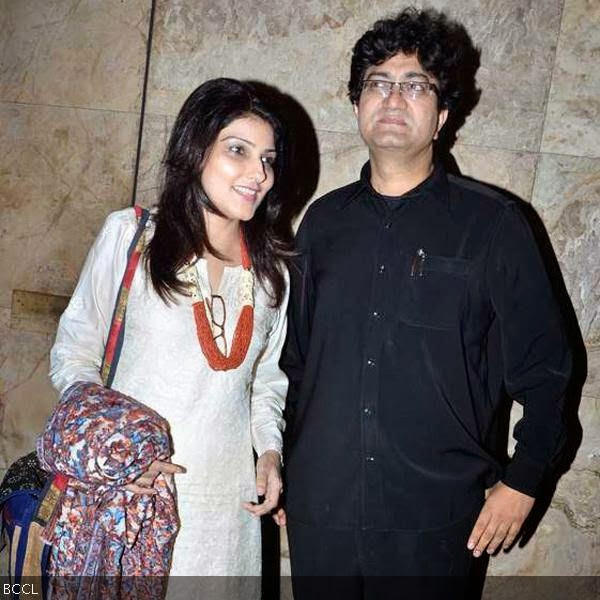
(441, 45)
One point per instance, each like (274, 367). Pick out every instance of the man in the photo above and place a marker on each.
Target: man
(402, 276)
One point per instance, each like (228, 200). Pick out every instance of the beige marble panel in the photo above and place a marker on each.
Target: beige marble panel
(154, 142)
(509, 170)
(305, 50)
(62, 170)
(517, 39)
(285, 551)
(578, 497)
(567, 197)
(592, 383)
(281, 44)
(4, 348)
(342, 156)
(26, 395)
(557, 548)
(573, 120)
(588, 453)
(73, 52)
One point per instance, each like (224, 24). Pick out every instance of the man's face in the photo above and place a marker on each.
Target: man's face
(399, 122)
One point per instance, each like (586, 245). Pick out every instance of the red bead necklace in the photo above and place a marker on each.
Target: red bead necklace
(242, 336)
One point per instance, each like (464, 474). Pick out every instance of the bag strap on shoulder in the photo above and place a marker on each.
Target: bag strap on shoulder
(114, 341)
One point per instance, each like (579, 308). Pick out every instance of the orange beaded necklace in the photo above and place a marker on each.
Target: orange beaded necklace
(217, 360)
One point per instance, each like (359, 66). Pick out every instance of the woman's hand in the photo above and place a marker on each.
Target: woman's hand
(280, 517)
(143, 484)
(268, 483)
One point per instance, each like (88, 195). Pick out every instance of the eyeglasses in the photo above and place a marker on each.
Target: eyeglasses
(413, 90)
(216, 308)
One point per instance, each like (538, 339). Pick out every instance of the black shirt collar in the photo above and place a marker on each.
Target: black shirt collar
(434, 187)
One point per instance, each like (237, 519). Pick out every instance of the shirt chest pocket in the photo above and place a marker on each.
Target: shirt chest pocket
(432, 290)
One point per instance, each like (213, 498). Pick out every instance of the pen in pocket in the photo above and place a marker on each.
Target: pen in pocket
(418, 263)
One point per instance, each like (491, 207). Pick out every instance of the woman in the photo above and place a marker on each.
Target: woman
(194, 349)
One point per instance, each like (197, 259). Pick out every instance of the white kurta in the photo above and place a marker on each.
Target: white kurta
(216, 418)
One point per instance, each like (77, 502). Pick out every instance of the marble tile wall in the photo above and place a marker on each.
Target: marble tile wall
(70, 88)
(71, 75)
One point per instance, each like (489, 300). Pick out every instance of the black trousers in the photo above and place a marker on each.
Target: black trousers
(348, 564)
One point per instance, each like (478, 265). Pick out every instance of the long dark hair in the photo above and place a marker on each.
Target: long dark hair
(180, 226)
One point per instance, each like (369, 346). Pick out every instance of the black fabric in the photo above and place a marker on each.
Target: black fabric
(391, 395)
(24, 474)
(380, 565)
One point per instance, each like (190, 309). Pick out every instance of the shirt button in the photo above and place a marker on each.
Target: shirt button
(388, 224)
(370, 362)
(381, 269)
(375, 314)
(367, 411)
(370, 458)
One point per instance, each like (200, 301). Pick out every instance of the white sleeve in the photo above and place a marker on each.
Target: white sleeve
(269, 387)
(83, 327)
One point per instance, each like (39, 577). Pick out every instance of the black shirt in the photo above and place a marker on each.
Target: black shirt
(391, 389)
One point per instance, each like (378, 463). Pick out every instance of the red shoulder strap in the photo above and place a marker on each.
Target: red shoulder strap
(114, 342)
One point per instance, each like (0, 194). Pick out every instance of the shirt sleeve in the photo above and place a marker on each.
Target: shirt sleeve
(293, 360)
(270, 386)
(535, 351)
(83, 328)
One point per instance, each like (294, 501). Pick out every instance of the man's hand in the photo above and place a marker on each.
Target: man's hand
(143, 484)
(500, 519)
(268, 483)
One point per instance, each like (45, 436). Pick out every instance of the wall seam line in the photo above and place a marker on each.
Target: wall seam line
(67, 107)
(138, 152)
(547, 102)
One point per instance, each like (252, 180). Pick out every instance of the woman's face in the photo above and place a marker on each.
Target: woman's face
(238, 171)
